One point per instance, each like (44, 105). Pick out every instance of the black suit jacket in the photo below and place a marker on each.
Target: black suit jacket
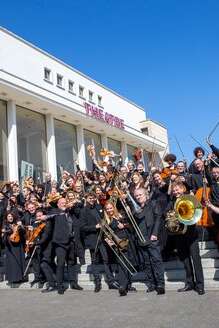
(89, 217)
(149, 220)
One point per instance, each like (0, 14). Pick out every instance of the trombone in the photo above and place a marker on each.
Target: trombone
(120, 245)
(142, 240)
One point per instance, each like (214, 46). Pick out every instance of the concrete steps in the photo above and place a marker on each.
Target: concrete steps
(174, 272)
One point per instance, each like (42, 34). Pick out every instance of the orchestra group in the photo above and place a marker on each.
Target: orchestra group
(130, 220)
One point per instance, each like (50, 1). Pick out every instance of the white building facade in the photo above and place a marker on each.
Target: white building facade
(50, 112)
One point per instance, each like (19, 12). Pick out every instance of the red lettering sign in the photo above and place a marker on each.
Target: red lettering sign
(99, 114)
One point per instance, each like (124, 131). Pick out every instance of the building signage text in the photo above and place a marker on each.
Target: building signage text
(99, 114)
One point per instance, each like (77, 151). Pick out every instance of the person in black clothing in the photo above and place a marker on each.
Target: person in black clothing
(120, 227)
(199, 154)
(29, 221)
(148, 221)
(90, 217)
(213, 181)
(14, 250)
(65, 243)
(159, 194)
(188, 249)
(196, 178)
(43, 257)
(141, 169)
(47, 185)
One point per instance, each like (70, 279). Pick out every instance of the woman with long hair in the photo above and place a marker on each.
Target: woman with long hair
(13, 238)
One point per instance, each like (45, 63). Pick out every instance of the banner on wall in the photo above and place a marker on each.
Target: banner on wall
(26, 169)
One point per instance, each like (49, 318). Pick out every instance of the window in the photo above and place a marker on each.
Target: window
(145, 131)
(91, 94)
(81, 91)
(91, 138)
(47, 74)
(100, 101)
(59, 80)
(66, 146)
(71, 86)
(114, 145)
(31, 138)
(3, 140)
(131, 150)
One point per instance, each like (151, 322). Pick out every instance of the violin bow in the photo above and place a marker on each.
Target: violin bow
(30, 260)
(213, 130)
(181, 151)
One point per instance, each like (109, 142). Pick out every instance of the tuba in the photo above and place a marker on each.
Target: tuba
(187, 211)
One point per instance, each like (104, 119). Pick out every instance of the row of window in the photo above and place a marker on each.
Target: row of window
(71, 86)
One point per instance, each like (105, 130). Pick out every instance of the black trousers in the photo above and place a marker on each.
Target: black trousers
(154, 267)
(101, 254)
(189, 254)
(47, 264)
(65, 254)
(124, 278)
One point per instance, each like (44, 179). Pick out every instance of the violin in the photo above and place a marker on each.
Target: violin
(15, 236)
(167, 172)
(33, 236)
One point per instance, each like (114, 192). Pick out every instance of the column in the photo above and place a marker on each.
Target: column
(51, 146)
(124, 152)
(81, 147)
(12, 142)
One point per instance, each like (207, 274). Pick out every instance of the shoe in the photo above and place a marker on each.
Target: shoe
(132, 289)
(187, 288)
(61, 291)
(122, 291)
(74, 285)
(150, 289)
(160, 290)
(114, 285)
(200, 291)
(97, 288)
(25, 279)
(33, 283)
(48, 289)
(40, 284)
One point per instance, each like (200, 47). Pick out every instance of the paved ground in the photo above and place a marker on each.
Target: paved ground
(29, 308)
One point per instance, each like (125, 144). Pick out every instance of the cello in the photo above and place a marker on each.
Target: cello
(202, 194)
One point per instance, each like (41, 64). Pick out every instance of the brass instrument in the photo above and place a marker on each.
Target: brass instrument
(116, 244)
(53, 198)
(137, 208)
(187, 211)
(110, 153)
(142, 240)
(122, 244)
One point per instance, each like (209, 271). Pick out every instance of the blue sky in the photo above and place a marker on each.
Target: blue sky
(162, 54)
